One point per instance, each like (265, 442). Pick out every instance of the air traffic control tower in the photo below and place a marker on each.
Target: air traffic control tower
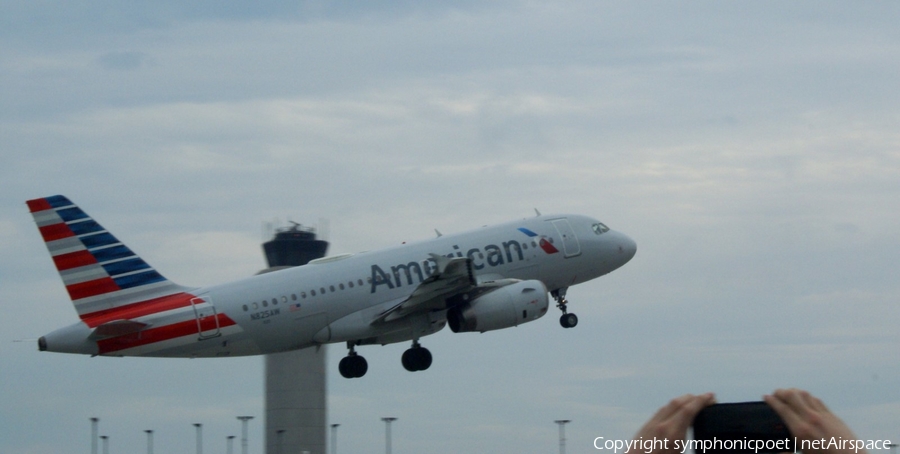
(295, 381)
(294, 246)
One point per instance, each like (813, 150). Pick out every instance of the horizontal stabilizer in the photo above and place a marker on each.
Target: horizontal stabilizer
(117, 328)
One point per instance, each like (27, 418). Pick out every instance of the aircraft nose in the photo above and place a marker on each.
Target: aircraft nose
(627, 248)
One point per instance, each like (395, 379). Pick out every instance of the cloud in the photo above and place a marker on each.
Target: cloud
(752, 153)
(122, 60)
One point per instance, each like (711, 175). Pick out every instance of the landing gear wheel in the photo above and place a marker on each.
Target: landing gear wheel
(353, 366)
(568, 320)
(416, 358)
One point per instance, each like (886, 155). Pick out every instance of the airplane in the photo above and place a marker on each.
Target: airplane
(480, 280)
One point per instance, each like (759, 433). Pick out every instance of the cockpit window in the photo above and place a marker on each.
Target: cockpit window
(600, 228)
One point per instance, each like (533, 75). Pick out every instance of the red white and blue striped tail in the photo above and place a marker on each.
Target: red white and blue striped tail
(102, 275)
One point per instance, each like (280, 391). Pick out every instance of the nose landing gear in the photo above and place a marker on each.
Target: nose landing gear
(566, 320)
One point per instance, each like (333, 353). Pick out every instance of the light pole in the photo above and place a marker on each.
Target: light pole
(94, 422)
(229, 443)
(279, 438)
(199, 437)
(105, 444)
(387, 433)
(149, 441)
(562, 434)
(244, 420)
(334, 438)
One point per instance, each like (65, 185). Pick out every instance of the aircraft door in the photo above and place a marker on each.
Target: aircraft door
(207, 318)
(571, 247)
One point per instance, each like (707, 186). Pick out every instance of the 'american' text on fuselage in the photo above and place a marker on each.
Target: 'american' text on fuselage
(491, 255)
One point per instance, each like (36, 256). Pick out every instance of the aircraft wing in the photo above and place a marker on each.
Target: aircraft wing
(453, 276)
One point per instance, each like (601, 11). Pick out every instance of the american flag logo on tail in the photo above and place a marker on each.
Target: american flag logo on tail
(113, 290)
(99, 272)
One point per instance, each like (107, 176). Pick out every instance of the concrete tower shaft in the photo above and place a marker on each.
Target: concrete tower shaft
(295, 381)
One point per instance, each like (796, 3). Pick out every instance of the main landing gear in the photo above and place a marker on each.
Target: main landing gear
(353, 365)
(414, 359)
(566, 320)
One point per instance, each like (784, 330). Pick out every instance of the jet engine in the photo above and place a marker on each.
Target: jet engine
(504, 307)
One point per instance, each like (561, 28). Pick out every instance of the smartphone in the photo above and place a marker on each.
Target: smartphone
(740, 428)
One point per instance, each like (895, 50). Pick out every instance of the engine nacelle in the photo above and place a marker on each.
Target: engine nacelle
(505, 307)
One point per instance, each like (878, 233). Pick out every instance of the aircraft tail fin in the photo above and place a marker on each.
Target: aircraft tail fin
(101, 274)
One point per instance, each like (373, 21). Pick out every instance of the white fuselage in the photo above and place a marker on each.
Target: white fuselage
(336, 299)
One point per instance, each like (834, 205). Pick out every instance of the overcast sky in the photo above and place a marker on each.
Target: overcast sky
(751, 149)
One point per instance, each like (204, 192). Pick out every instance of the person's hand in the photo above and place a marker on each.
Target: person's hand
(809, 420)
(671, 423)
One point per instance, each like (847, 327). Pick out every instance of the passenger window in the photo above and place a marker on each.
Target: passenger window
(246, 308)
(303, 295)
(322, 290)
(293, 297)
(312, 292)
(265, 303)
(361, 283)
(342, 286)
(350, 284)
(332, 288)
